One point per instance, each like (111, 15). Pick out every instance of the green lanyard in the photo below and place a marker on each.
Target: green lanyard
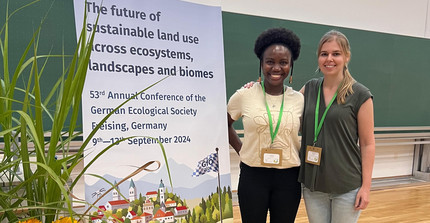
(273, 134)
(318, 126)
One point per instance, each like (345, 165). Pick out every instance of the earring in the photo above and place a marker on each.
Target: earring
(259, 73)
(291, 79)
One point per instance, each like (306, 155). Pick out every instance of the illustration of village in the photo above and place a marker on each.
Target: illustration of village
(160, 206)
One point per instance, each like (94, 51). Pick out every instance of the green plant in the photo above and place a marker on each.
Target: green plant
(44, 188)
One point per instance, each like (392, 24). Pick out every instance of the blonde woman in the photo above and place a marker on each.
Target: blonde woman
(338, 144)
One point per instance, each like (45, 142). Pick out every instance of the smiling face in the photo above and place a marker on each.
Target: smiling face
(332, 59)
(276, 64)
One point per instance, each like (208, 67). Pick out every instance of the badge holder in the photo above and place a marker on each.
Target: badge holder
(271, 157)
(313, 155)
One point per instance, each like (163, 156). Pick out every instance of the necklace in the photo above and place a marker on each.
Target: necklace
(274, 100)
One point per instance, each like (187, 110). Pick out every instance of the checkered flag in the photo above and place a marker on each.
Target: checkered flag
(209, 163)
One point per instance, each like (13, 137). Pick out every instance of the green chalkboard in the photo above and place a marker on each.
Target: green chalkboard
(395, 68)
(57, 36)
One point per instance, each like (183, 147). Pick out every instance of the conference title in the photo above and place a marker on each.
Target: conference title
(144, 51)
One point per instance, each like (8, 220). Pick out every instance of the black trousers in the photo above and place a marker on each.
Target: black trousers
(268, 189)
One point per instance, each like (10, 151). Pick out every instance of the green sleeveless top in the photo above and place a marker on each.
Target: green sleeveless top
(340, 167)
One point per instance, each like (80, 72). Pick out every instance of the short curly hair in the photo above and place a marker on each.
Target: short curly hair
(277, 36)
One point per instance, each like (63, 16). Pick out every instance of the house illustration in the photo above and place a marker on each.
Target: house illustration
(161, 190)
(151, 195)
(162, 216)
(170, 204)
(132, 191)
(148, 207)
(101, 209)
(167, 212)
(115, 219)
(180, 211)
(143, 218)
(117, 203)
(131, 214)
(97, 219)
(121, 204)
(115, 193)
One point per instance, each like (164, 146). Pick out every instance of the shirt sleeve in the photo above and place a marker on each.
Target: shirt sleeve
(234, 106)
(363, 94)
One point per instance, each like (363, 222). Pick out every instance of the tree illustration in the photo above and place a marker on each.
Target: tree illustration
(215, 215)
(139, 210)
(203, 204)
(119, 213)
(227, 213)
(124, 212)
(208, 214)
(203, 219)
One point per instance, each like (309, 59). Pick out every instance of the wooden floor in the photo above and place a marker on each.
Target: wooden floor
(406, 204)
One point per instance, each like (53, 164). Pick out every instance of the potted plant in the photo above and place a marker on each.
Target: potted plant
(36, 162)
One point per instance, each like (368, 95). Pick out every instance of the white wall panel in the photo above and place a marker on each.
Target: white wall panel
(427, 32)
(400, 17)
(393, 160)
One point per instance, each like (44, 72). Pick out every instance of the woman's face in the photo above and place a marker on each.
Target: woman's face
(332, 59)
(276, 64)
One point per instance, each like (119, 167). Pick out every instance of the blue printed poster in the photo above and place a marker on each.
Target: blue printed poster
(177, 46)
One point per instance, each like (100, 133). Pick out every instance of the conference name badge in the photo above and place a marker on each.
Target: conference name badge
(271, 157)
(313, 155)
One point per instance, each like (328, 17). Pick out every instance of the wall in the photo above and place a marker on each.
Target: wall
(387, 16)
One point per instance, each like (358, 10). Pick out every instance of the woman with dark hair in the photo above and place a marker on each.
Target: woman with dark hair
(271, 114)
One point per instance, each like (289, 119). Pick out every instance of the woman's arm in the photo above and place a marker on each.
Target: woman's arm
(233, 138)
(367, 146)
(301, 118)
(302, 90)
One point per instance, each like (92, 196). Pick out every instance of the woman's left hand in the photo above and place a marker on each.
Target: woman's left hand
(249, 84)
(362, 199)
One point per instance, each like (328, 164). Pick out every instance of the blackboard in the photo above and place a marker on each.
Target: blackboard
(395, 68)
(56, 37)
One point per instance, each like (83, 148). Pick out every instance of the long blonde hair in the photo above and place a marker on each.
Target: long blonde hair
(347, 82)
